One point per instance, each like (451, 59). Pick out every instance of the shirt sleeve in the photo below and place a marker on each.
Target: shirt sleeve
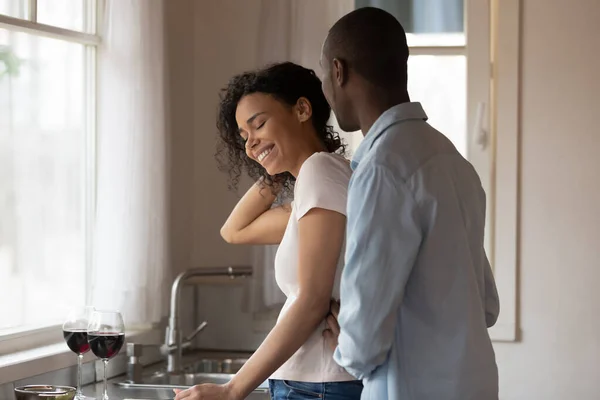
(383, 240)
(492, 302)
(322, 183)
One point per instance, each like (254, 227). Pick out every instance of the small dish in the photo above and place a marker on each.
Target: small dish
(45, 392)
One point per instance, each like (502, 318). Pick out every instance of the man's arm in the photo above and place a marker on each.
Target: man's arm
(383, 239)
(492, 302)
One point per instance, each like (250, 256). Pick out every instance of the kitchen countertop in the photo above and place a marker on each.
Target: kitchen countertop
(118, 393)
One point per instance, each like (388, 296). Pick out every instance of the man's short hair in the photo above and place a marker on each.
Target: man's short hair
(373, 43)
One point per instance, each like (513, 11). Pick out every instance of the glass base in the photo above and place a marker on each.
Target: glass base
(82, 396)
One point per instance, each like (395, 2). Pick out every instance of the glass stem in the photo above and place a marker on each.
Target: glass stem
(79, 360)
(105, 395)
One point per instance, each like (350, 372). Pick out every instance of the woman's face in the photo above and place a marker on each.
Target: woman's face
(273, 131)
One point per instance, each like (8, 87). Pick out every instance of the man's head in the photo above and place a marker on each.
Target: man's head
(365, 50)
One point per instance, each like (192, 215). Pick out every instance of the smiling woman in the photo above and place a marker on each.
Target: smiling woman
(261, 112)
(273, 125)
(277, 137)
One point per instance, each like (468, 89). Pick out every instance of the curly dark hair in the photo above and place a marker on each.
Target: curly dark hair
(287, 82)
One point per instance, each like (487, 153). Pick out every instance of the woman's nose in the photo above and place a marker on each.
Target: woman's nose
(251, 142)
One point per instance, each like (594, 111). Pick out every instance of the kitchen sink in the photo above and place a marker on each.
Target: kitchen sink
(206, 370)
(165, 380)
(216, 366)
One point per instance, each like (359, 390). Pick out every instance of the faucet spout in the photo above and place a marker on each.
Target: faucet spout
(173, 345)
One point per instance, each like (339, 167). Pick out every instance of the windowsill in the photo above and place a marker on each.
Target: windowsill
(42, 359)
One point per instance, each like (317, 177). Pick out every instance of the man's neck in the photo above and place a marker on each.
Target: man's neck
(373, 103)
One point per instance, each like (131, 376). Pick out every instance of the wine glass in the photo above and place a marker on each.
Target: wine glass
(75, 334)
(106, 335)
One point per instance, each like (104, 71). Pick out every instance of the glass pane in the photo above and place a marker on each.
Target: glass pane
(14, 8)
(42, 169)
(439, 83)
(68, 14)
(426, 22)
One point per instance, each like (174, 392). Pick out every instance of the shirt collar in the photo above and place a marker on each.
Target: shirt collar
(399, 112)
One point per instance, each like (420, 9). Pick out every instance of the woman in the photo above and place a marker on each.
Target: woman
(273, 124)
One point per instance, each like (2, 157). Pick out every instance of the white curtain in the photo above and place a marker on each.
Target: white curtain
(130, 236)
(291, 30)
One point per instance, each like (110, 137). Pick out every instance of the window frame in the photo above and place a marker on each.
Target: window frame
(493, 84)
(27, 337)
(505, 85)
(31, 26)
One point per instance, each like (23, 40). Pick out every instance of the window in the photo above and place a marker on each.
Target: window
(463, 68)
(47, 89)
(437, 65)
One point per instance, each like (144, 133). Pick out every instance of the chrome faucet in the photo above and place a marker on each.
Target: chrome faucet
(174, 345)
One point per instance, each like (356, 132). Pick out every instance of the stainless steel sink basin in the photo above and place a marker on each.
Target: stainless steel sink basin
(206, 370)
(216, 366)
(172, 381)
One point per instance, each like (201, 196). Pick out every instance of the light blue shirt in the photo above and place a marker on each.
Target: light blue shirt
(417, 291)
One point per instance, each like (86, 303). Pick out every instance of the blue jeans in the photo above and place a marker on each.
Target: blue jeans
(293, 390)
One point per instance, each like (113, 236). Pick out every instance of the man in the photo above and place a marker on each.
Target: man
(417, 292)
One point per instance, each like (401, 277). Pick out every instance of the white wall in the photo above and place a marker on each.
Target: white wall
(207, 43)
(558, 357)
(180, 74)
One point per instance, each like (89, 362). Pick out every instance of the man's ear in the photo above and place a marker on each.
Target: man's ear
(340, 72)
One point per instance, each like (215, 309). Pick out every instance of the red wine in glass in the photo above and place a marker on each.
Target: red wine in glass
(75, 334)
(106, 335)
(106, 345)
(77, 340)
